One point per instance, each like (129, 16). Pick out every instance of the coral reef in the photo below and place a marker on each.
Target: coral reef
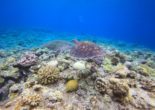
(48, 74)
(57, 78)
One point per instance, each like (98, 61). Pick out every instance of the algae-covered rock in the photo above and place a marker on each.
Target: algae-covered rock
(115, 60)
(12, 72)
(145, 70)
(4, 66)
(121, 70)
(107, 65)
(10, 60)
(54, 96)
(48, 75)
(71, 85)
(1, 80)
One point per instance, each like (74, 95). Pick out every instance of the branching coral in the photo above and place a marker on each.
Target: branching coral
(32, 100)
(48, 74)
(28, 99)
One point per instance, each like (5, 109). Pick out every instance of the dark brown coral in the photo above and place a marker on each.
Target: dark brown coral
(86, 50)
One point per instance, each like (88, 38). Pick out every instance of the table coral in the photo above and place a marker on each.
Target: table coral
(86, 50)
(27, 60)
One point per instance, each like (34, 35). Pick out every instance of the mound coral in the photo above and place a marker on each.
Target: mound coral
(86, 50)
(115, 88)
(71, 85)
(27, 60)
(121, 92)
(48, 74)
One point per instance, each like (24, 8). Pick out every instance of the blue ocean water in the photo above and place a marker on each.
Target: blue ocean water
(130, 21)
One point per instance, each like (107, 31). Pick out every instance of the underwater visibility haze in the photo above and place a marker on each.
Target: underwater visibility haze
(77, 55)
(130, 21)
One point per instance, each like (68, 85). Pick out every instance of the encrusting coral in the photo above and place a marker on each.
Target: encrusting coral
(48, 75)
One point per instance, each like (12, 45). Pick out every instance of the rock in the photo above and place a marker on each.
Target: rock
(4, 66)
(1, 81)
(121, 71)
(53, 63)
(132, 74)
(53, 96)
(101, 85)
(16, 88)
(58, 46)
(79, 65)
(115, 60)
(41, 51)
(2, 54)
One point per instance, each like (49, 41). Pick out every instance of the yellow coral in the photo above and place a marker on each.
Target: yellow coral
(71, 85)
(48, 74)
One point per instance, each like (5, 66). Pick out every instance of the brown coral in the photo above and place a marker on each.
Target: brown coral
(86, 50)
(48, 74)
